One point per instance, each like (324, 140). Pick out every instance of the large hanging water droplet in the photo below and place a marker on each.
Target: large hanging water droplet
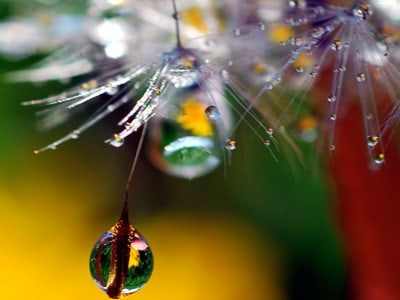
(121, 261)
(188, 140)
(180, 153)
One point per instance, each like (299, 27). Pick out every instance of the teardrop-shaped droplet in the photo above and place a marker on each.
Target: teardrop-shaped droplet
(186, 141)
(121, 261)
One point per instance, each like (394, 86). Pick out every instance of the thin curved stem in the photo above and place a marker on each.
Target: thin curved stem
(124, 213)
(175, 15)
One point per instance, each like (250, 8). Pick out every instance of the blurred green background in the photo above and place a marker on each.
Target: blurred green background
(255, 229)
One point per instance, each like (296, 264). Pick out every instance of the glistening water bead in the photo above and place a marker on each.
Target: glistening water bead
(121, 261)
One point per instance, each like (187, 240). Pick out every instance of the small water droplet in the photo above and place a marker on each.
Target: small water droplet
(331, 98)
(267, 143)
(372, 140)
(379, 158)
(332, 147)
(75, 134)
(299, 4)
(333, 117)
(117, 141)
(317, 32)
(269, 131)
(361, 77)
(212, 112)
(296, 40)
(337, 45)
(299, 70)
(230, 144)
(268, 86)
(261, 26)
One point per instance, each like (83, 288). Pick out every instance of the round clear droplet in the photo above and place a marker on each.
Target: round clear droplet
(212, 112)
(140, 264)
(372, 140)
(379, 159)
(117, 141)
(361, 77)
(230, 144)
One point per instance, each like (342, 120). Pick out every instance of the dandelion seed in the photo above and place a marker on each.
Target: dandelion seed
(121, 261)
(182, 95)
(346, 51)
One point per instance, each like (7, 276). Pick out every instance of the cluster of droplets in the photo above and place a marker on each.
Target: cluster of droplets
(313, 40)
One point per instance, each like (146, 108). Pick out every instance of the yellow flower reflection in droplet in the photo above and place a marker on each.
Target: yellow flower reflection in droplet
(194, 119)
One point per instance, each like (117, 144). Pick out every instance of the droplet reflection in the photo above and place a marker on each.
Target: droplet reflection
(114, 274)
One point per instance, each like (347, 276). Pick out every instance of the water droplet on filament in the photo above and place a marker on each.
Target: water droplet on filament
(121, 261)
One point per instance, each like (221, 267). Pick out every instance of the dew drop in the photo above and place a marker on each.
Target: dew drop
(296, 41)
(268, 86)
(337, 45)
(261, 26)
(379, 158)
(331, 98)
(121, 261)
(300, 4)
(372, 140)
(332, 147)
(75, 134)
(269, 131)
(317, 32)
(117, 141)
(267, 143)
(361, 77)
(230, 144)
(299, 70)
(333, 117)
(212, 112)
